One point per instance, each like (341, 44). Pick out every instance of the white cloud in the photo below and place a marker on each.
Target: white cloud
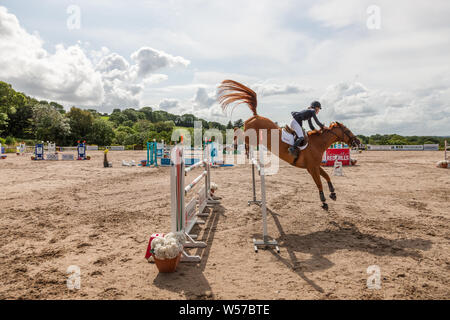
(204, 100)
(338, 13)
(398, 16)
(113, 63)
(72, 77)
(348, 101)
(203, 105)
(169, 104)
(122, 85)
(271, 89)
(212, 78)
(148, 60)
(67, 75)
(373, 111)
(125, 82)
(154, 79)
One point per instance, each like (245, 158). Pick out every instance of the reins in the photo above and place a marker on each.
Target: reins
(346, 133)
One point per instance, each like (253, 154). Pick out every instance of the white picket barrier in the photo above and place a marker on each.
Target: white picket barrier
(259, 164)
(115, 148)
(431, 146)
(185, 216)
(67, 157)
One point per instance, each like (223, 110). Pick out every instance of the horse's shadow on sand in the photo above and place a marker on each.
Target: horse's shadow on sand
(190, 283)
(341, 237)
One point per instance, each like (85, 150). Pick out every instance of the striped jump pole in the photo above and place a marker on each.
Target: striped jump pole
(185, 216)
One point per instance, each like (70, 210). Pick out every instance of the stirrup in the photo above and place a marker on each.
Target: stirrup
(294, 151)
(298, 142)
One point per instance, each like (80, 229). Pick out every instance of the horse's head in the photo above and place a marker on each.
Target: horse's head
(344, 134)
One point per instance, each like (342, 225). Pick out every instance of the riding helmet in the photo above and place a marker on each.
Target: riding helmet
(316, 104)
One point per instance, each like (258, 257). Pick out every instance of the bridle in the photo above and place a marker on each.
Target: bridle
(347, 133)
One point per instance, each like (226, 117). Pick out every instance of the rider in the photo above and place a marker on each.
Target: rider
(297, 122)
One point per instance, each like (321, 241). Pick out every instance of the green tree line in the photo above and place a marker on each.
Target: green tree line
(395, 139)
(23, 118)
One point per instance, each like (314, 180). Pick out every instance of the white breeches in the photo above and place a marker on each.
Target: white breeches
(296, 127)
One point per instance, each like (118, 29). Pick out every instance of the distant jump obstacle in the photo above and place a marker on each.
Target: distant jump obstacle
(337, 152)
(159, 154)
(262, 203)
(51, 149)
(163, 152)
(445, 150)
(81, 149)
(157, 151)
(21, 149)
(185, 216)
(2, 151)
(152, 150)
(337, 169)
(444, 163)
(214, 153)
(52, 154)
(38, 152)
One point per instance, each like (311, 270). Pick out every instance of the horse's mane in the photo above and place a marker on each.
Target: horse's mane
(332, 125)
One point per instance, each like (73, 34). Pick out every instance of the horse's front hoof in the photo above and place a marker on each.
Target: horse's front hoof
(324, 206)
(333, 196)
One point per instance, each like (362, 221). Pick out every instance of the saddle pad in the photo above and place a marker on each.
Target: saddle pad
(289, 139)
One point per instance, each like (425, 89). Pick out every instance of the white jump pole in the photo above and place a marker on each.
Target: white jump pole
(445, 150)
(254, 200)
(265, 242)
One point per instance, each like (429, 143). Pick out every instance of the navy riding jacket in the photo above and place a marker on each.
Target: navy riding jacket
(306, 115)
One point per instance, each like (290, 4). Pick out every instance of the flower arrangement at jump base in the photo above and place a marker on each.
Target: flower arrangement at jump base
(166, 250)
(214, 187)
(442, 164)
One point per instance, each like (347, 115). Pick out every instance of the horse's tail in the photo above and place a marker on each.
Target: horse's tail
(231, 91)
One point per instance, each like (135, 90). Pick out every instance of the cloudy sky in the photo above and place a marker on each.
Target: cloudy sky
(378, 69)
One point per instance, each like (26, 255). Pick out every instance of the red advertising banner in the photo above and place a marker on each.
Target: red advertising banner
(342, 155)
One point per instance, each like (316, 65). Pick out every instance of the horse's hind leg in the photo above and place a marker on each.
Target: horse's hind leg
(315, 174)
(324, 174)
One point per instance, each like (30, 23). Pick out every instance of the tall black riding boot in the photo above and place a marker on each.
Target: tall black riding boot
(294, 148)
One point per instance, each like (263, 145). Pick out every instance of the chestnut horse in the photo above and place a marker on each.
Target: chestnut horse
(310, 159)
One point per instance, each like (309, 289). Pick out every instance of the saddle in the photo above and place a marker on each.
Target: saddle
(289, 130)
(292, 132)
